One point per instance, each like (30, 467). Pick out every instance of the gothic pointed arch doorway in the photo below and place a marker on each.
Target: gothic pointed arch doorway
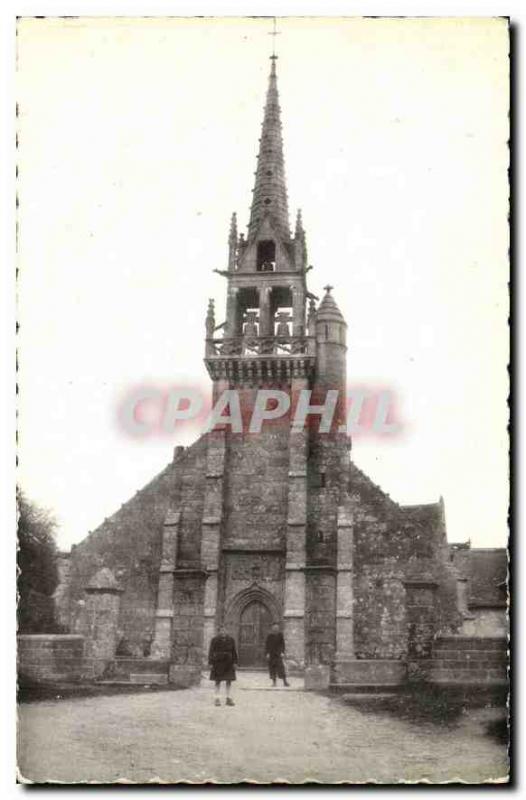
(254, 626)
(248, 617)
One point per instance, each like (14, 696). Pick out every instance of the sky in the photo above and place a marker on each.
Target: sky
(138, 139)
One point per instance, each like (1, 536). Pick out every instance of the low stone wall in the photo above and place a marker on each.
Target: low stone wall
(49, 658)
(136, 670)
(485, 622)
(469, 660)
(369, 672)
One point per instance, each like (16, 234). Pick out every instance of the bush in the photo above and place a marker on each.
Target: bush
(425, 702)
(37, 576)
(498, 729)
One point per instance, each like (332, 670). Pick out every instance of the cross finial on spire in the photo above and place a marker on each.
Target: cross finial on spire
(274, 33)
(328, 288)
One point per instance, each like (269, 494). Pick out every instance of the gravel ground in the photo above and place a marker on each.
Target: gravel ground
(270, 735)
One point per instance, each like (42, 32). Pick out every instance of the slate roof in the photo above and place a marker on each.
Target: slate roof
(423, 513)
(328, 309)
(369, 491)
(486, 570)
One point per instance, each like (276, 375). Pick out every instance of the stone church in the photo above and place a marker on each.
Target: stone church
(248, 529)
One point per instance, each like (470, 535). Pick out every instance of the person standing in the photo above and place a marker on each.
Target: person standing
(222, 658)
(275, 650)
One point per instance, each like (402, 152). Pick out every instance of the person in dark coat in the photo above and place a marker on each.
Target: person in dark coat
(222, 657)
(274, 650)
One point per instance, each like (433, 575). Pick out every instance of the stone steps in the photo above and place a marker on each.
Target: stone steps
(369, 700)
(458, 642)
(142, 679)
(270, 688)
(369, 689)
(148, 678)
(251, 669)
(135, 665)
(135, 671)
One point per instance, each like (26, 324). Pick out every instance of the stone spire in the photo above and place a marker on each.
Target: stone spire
(270, 192)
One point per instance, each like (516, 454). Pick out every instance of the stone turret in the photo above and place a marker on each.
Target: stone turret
(331, 344)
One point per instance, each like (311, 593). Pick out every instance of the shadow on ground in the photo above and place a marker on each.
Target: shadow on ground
(69, 691)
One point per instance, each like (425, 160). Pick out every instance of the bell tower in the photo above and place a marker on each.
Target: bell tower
(267, 338)
(270, 510)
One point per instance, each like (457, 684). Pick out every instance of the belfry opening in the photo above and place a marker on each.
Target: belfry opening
(266, 256)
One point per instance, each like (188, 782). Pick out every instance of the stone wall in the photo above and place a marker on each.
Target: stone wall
(243, 570)
(60, 595)
(421, 617)
(486, 622)
(324, 471)
(187, 655)
(256, 487)
(371, 673)
(320, 615)
(251, 507)
(380, 624)
(327, 474)
(129, 543)
(49, 658)
(394, 544)
(188, 496)
(99, 622)
(254, 520)
(469, 660)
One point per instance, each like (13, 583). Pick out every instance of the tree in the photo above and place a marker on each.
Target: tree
(37, 568)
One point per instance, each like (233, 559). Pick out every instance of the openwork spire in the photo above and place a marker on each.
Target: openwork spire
(270, 192)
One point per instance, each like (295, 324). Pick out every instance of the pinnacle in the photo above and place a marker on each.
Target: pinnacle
(299, 222)
(233, 227)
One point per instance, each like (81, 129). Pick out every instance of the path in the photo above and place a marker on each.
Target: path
(270, 735)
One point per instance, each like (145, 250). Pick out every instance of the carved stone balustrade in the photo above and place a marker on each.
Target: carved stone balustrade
(243, 358)
(260, 345)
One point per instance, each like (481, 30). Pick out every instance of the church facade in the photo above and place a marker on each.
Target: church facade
(248, 528)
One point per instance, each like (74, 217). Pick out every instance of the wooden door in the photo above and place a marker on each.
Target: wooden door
(254, 627)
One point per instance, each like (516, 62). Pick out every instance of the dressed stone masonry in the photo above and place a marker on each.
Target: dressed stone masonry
(278, 526)
(99, 621)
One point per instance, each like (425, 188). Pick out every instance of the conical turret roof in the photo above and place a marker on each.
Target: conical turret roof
(328, 310)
